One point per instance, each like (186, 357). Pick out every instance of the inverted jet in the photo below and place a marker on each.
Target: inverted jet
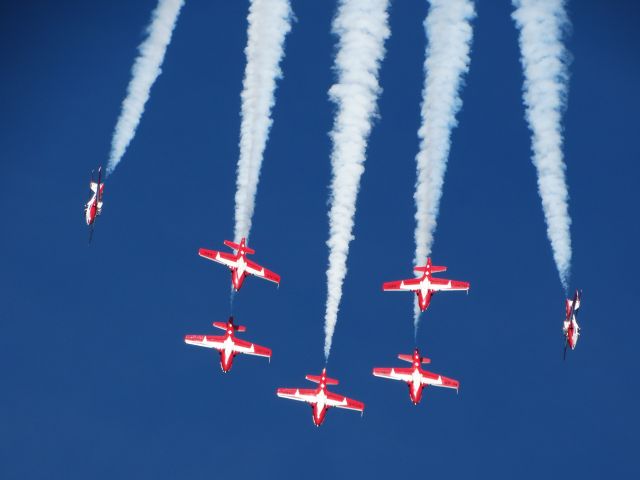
(93, 207)
(570, 327)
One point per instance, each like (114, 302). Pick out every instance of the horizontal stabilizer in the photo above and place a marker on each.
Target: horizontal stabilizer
(235, 246)
(223, 326)
(432, 269)
(317, 378)
(409, 358)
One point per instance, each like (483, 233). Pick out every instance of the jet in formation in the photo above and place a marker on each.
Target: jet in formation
(228, 345)
(415, 376)
(93, 207)
(320, 398)
(426, 285)
(570, 327)
(239, 264)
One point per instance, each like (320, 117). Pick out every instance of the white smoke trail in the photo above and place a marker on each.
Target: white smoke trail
(145, 71)
(449, 34)
(544, 60)
(269, 22)
(361, 26)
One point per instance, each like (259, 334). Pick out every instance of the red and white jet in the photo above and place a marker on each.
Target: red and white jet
(416, 377)
(425, 286)
(228, 345)
(320, 398)
(93, 207)
(239, 264)
(570, 327)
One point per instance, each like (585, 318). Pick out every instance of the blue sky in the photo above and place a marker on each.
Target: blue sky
(96, 378)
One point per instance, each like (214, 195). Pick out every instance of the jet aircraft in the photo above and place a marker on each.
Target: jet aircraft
(239, 264)
(320, 398)
(416, 377)
(570, 327)
(228, 345)
(425, 286)
(93, 207)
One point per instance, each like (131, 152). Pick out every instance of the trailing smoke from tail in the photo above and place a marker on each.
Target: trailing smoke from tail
(269, 22)
(544, 60)
(361, 27)
(145, 71)
(449, 35)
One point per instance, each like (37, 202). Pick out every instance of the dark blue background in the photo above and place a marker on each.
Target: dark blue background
(96, 379)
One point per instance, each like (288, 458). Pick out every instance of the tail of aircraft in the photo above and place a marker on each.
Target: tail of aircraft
(223, 326)
(317, 378)
(577, 300)
(429, 267)
(100, 187)
(575, 303)
(409, 358)
(96, 186)
(235, 246)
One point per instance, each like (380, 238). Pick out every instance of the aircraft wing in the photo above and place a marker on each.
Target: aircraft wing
(401, 285)
(220, 257)
(208, 341)
(335, 400)
(435, 380)
(255, 269)
(250, 348)
(301, 394)
(439, 284)
(403, 374)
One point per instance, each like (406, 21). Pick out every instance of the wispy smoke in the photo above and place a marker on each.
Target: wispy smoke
(361, 26)
(269, 22)
(544, 60)
(449, 34)
(145, 71)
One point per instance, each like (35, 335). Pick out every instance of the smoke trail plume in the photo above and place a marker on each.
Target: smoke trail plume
(449, 34)
(145, 71)
(361, 27)
(544, 60)
(269, 22)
